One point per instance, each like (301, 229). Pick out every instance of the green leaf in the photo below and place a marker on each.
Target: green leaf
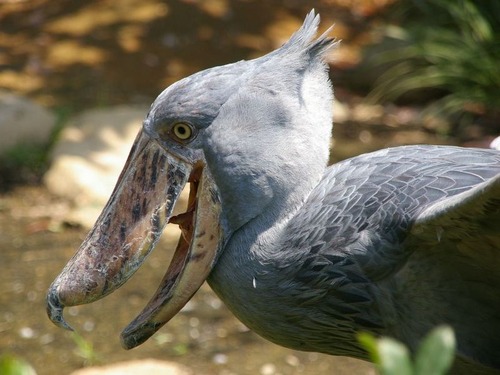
(436, 352)
(369, 342)
(390, 356)
(394, 357)
(10, 365)
(84, 349)
(180, 349)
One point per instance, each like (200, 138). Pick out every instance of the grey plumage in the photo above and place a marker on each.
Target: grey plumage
(392, 242)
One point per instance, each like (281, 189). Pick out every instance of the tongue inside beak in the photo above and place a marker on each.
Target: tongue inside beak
(129, 228)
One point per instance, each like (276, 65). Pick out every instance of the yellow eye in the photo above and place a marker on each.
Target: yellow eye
(182, 131)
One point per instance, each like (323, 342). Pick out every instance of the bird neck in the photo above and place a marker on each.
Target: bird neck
(254, 276)
(246, 269)
(265, 165)
(265, 197)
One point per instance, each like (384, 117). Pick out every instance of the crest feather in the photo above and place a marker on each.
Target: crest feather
(304, 38)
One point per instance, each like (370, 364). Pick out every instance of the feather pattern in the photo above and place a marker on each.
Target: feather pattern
(392, 242)
(384, 238)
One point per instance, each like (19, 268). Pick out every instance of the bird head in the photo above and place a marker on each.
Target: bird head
(238, 135)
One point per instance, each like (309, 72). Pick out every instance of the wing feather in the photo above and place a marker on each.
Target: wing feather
(405, 239)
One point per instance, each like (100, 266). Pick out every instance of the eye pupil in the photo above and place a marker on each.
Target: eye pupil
(182, 131)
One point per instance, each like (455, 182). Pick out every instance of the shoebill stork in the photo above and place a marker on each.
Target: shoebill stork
(392, 242)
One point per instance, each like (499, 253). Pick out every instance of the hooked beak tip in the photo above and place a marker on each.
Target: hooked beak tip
(55, 309)
(134, 336)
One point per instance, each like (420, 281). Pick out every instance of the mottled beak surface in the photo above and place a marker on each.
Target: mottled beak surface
(129, 228)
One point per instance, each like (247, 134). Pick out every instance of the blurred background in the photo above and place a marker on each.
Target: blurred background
(76, 80)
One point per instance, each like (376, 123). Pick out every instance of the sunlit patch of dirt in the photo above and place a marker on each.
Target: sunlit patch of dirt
(83, 54)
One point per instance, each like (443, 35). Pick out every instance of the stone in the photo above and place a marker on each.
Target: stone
(367, 113)
(495, 144)
(23, 122)
(89, 156)
(341, 112)
(137, 367)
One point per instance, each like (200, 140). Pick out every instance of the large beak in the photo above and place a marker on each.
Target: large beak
(128, 229)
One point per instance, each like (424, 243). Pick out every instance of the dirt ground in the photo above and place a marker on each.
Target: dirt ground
(83, 54)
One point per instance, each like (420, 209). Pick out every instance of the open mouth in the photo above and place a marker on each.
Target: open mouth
(185, 219)
(129, 228)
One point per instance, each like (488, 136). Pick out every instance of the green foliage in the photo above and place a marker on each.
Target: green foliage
(180, 349)
(26, 163)
(10, 365)
(434, 356)
(436, 352)
(85, 349)
(447, 47)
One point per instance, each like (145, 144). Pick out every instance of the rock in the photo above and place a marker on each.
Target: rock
(137, 367)
(341, 112)
(495, 144)
(88, 158)
(23, 121)
(367, 113)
